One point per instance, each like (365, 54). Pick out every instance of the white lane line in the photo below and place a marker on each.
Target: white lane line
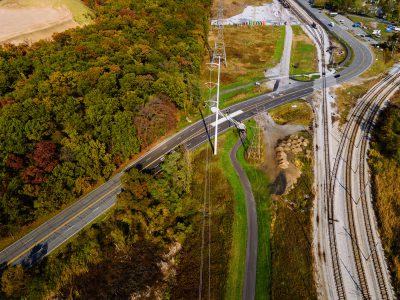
(224, 119)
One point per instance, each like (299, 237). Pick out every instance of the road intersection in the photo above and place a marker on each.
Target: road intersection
(47, 237)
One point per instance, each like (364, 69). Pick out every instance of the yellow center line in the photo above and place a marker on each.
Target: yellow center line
(108, 193)
(63, 224)
(259, 104)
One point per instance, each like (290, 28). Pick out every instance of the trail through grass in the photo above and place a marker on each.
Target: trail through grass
(260, 187)
(234, 284)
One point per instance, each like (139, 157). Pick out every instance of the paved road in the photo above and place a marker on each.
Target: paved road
(60, 228)
(249, 284)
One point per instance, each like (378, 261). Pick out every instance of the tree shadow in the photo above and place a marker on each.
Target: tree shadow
(3, 267)
(278, 187)
(36, 254)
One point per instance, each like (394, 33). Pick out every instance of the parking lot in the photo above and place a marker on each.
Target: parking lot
(347, 24)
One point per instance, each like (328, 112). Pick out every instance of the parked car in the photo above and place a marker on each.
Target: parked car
(357, 24)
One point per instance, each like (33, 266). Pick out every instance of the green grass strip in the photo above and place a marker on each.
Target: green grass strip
(280, 44)
(234, 284)
(304, 54)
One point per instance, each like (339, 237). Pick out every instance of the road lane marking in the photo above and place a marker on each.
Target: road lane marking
(179, 137)
(349, 74)
(62, 225)
(224, 119)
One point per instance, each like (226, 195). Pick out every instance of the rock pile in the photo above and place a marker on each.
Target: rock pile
(294, 144)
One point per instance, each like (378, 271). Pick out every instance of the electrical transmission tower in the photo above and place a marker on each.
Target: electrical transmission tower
(219, 49)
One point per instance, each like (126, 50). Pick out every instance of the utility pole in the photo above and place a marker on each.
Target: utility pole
(217, 107)
(219, 55)
(219, 48)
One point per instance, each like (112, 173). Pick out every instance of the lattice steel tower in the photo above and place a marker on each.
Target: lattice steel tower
(219, 48)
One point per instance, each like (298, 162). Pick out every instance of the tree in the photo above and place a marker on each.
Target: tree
(14, 281)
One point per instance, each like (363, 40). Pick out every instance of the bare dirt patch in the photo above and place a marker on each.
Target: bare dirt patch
(233, 7)
(25, 24)
(273, 133)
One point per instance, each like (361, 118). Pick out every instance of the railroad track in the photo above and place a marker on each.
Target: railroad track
(372, 99)
(328, 193)
(373, 106)
(383, 287)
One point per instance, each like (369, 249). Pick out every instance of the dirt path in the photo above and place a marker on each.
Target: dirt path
(249, 287)
(272, 133)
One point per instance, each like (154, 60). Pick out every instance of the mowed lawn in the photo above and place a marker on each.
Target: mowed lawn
(304, 57)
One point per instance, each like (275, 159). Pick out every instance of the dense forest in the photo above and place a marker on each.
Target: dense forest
(120, 256)
(148, 246)
(74, 109)
(390, 8)
(385, 164)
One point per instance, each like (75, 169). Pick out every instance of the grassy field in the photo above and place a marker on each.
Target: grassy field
(241, 94)
(383, 61)
(260, 185)
(348, 95)
(296, 112)
(304, 58)
(249, 51)
(81, 13)
(222, 210)
(292, 263)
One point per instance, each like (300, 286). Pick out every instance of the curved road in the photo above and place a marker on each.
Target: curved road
(249, 285)
(60, 228)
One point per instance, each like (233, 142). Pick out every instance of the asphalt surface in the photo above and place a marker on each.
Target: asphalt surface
(347, 24)
(249, 284)
(47, 237)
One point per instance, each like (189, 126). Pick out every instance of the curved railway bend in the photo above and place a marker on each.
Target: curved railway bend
(372, 279)
(70, 221)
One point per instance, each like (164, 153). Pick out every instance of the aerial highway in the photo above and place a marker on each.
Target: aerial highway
(51, 234)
